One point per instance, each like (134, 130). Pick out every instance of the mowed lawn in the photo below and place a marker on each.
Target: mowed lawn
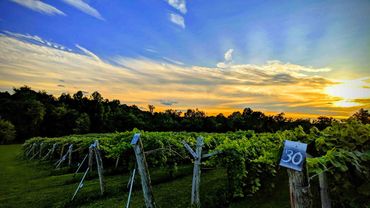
(25, 183)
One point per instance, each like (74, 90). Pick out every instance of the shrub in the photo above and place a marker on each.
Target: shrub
(7, 132)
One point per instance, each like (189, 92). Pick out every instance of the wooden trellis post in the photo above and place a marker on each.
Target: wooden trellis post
(117, 161)
(64, 157)
(53, 150)
(142, 167)
(31, 149)
(196, 173)
(324, 193)
(50, 152)
(62, 150)
(299, 189)
(93, 150)
(34, 149)
(197, 155)
(70, 150)
(99, 164)
(323, 184)
(37, 153)
(41, 148)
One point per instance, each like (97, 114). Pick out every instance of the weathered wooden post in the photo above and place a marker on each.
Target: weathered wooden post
(294, 157)
(93, 149)
(53, 150)
(299, 189)
(37, 153)
(196, 173)
(41, 148)
(34, 149)
(324, 193)
(197, 155)
(31, 149)
(142, 167)
(64, 157)
(62, 150)
(117, 161)
(99, 164)
(48, 154)
(70, 150)
(90, 161)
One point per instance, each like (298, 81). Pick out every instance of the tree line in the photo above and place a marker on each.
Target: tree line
(26, 113)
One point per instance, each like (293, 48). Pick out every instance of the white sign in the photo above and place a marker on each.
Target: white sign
(294, 155)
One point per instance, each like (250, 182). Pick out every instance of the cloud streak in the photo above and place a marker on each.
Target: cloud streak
(39, 6)
(168, 102)
(178, 4)
(178, 20)
(84, 7)
(89, 53)
(271, 87)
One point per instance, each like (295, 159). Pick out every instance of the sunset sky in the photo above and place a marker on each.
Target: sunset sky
(304, 58)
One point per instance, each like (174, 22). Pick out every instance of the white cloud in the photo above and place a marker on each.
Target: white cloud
(89, 53)
(173, 61)
(277, 65)
(25, 36)
(228, 58)
(39, 6)
(177, 19)
(34, 39)
(84, 7)
(151, 50)
(229, 55)
(178, 4)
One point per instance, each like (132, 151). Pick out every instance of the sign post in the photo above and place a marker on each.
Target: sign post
(294, 158)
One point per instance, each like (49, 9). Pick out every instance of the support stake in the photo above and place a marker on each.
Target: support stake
(99, 164)
(299, 188)
(70, 150)
(195, 201)
(132, 179)
(324, 194)
(142, 167)
(80, 185)
(80, 165)
(41, 148)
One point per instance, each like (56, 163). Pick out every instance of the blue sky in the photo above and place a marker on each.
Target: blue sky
(218, 34)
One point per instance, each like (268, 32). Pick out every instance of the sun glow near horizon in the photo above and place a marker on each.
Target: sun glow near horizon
(350, 92)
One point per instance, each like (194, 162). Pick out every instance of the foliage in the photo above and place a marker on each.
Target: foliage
(362, 115)
(7, 132)
(343, 151)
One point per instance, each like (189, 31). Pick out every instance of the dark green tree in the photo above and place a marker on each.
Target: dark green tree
(7, 132)
(362, 115)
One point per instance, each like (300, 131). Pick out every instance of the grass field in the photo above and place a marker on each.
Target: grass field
(29, 184)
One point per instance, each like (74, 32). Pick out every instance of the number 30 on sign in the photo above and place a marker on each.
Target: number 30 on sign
(294, 154)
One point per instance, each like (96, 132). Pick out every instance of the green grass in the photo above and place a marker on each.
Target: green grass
(25, 183)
